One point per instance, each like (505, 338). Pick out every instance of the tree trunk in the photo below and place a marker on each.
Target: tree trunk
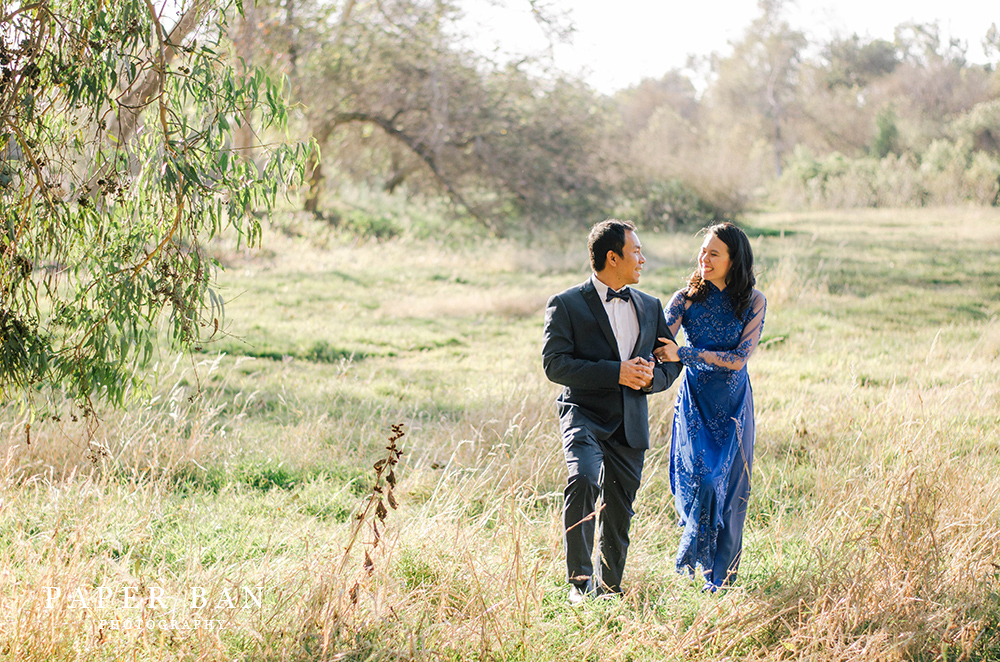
(314, 168)
(139, 95)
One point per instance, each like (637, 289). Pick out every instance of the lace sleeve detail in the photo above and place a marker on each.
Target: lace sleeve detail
(675, 311)
(737, 358)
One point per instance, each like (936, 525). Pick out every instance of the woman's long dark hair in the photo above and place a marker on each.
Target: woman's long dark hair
(740, 280)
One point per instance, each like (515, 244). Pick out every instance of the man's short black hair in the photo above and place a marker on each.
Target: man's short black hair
(607, 236)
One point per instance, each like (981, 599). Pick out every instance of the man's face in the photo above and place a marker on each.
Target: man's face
(628, 266)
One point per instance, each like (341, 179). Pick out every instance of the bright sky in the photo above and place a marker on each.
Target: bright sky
(618, 44)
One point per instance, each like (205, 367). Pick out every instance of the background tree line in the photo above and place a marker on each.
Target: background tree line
(394, 99)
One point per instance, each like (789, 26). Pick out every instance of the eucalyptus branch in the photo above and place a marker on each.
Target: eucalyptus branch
(345, 16)
(178, 215)
(12, 93)
(21, 10)
(35, 166)
(134, 271)
(140, 92)
(161, 78)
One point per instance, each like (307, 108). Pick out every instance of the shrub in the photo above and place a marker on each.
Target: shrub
(671, 203)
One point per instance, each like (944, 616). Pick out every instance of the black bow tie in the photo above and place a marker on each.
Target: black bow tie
(625, 294)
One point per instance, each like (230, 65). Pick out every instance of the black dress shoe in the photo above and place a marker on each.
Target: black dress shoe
(579, 592)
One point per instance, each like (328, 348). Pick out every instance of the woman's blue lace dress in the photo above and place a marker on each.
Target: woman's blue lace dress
(711, 453)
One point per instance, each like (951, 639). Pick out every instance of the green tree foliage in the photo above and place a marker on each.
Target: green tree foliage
(854, 63)
(886, 134)
(980, 126)
(117, 164)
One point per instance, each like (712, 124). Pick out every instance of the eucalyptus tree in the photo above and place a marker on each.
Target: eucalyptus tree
(117, 165)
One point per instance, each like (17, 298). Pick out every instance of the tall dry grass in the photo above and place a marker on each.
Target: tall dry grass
(873, 531)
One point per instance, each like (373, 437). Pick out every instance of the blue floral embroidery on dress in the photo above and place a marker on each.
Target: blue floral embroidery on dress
(713, 419)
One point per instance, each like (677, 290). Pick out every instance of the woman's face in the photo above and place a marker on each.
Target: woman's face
(714, 262)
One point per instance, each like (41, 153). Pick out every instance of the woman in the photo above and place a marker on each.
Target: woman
(711, 455)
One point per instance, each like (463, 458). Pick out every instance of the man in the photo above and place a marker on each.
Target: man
(598, 343)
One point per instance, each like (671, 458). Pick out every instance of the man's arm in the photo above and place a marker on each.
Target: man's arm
(559, 354)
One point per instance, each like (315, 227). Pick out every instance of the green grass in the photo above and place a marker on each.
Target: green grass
(873, 531)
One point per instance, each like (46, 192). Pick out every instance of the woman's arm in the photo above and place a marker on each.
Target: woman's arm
(667, 351)
(675, 311)
(733, 359)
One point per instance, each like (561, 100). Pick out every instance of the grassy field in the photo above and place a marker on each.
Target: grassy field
(240, 510)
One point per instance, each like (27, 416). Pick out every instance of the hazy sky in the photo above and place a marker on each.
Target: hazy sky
(617, 44)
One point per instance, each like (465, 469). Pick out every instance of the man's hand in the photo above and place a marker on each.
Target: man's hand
(668, 352)
(636, 373)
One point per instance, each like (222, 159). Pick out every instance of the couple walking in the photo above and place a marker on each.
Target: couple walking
(610, 346)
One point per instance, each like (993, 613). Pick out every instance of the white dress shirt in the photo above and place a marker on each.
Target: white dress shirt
(624, 321)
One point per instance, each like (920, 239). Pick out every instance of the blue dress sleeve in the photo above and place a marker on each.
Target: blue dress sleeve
(675, 311)
(737, 358)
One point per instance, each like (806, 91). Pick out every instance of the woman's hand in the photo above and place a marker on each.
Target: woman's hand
(667, 353)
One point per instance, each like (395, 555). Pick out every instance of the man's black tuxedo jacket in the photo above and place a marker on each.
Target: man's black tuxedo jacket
(580, 352)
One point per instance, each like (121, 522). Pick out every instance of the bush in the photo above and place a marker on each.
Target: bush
(982, 179)
(671, 203)
(948, 173)
(366, 224)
